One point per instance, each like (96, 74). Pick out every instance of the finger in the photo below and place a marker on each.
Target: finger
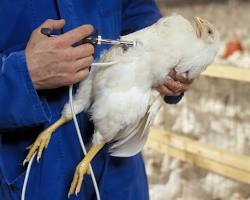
(177, 77)
(182, 79)
(165, 91)
(84, 50)
(49, 23)
(175, 86)
(75, 35)
(52, 24)
(81, 75)
(83, 63)
(185, 88)
(178, 94)
(172, 73)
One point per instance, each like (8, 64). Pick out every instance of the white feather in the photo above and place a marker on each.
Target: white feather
(131, 140)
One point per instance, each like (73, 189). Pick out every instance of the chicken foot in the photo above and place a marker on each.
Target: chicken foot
(83, 168)
(43, 139)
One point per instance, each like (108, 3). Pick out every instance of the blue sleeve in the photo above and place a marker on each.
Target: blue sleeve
(20, 105)
(173, 99)
(138, 14)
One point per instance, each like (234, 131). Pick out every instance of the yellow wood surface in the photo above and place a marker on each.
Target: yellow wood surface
(227, 72)
(232, 165)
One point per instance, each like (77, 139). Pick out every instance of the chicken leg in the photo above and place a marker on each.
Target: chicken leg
(83, 168)
(43, 139)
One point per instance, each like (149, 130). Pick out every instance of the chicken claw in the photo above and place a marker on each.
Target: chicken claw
(83, 168)
(43, 139)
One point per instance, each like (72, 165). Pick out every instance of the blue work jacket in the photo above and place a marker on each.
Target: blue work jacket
(25, 112)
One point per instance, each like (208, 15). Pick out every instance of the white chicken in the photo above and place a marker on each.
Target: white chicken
(120, 97)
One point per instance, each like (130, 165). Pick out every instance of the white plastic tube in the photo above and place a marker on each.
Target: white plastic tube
(81, 141)
(27, 176)
(103, 64)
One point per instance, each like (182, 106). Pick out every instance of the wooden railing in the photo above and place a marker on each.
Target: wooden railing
(231, 165)
(223, 162)
(228, 72)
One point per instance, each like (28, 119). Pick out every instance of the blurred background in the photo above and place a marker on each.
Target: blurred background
(216, 111)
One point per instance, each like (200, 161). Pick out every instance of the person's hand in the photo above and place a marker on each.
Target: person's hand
(53, 62)
(175, 86)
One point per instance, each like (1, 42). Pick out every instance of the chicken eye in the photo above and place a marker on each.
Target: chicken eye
(210, 31)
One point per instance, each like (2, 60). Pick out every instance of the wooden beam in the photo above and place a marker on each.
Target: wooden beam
(232, 165)
(202, 162)
(227, 72)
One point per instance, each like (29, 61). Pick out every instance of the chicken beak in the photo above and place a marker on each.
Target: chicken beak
(198, 25)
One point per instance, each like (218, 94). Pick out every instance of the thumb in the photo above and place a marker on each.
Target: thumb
(53, 24)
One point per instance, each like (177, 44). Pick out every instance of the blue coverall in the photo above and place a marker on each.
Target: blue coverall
(25, 112)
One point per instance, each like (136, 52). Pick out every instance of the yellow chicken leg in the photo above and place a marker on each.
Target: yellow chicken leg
(43, 139)
(83, 168)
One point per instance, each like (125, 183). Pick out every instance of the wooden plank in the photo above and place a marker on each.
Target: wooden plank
(202, 162)
(227, 72)
(186, 144)
(202, 153)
